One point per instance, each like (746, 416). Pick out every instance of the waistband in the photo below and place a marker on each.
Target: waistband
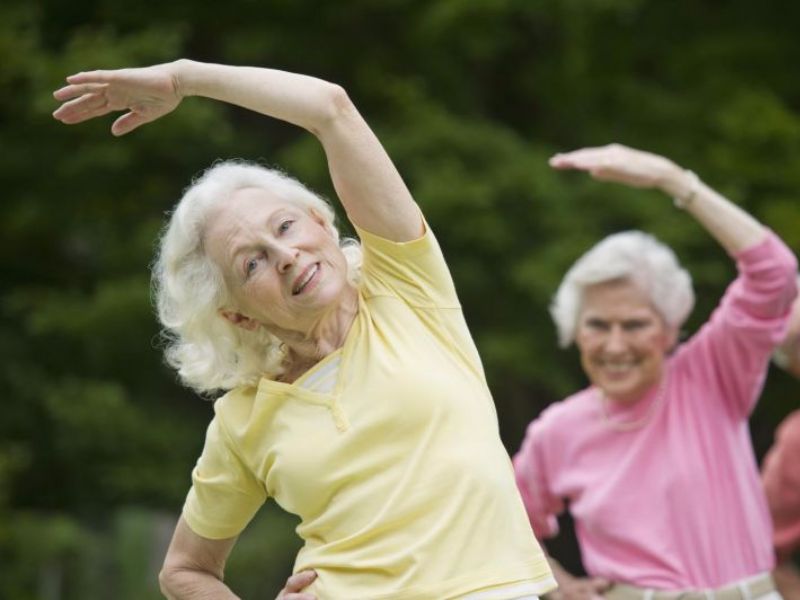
(746, 589)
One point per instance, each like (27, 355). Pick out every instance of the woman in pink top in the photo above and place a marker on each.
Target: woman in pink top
(654, 458)
(781, 475)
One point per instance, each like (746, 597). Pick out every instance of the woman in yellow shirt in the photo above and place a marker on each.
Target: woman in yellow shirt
(354, 395)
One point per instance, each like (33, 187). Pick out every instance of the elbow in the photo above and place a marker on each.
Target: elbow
(336, 109)
(175, 582)
(166, 580)
(788, 260)
(179, 581)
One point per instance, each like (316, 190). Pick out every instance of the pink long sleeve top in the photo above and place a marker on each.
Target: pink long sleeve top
(675, 503)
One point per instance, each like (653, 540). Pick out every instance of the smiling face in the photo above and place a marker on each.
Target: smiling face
(283, 268)
(622, 340)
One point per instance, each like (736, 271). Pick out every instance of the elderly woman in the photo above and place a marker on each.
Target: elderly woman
(354, 394)
(654, 459)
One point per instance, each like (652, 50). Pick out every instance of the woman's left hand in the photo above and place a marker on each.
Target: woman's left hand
(731, 226)
(621, 164)
(146, 94)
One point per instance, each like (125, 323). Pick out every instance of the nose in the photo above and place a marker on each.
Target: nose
(285, 257)
(615, 342)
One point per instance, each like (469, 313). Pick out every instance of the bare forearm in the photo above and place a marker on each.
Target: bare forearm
(370, 188)
(304, 101)
(731, 226)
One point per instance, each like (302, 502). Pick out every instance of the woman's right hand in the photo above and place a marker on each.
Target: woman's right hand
(145, 94)
(293, 590)
(581, 588)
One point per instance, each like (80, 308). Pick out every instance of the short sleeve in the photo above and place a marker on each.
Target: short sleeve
(531, 472)
(733, 349)
(414, 271)
(225, 494)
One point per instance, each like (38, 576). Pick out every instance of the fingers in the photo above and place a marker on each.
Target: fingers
(578, 593)
(84, 107)
(587, 159)
(295, 584)
(89, 77)
(298, 581)
(616, 163)
(84, 98)
(128, 122)
(599, 584)
(585, 589)
(74, 91)
(604, 173)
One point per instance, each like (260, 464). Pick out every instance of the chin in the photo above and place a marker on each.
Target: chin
(621, 393)
(623, 398)
(327, 296)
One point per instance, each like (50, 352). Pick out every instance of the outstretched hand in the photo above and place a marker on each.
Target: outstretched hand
(621, 164)
(293, 590)
(145, 94)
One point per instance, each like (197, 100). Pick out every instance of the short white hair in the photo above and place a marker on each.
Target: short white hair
(632, 256)
(208, 352)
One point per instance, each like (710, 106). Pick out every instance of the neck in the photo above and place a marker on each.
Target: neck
(645, 414)
(632, 400)
(324, 335)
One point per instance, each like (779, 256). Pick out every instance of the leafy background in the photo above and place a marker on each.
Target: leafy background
(470, 97)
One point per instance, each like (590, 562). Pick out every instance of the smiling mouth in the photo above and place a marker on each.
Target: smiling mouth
(304, 279)
(618, 368)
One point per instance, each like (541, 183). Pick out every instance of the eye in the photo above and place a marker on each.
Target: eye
(251, 264)
(285, 225)
(635, 325)
(597, 325)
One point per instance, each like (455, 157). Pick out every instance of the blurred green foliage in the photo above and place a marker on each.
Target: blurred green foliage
(470, 97)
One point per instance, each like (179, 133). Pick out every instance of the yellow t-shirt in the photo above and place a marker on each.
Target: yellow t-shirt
(399, 477)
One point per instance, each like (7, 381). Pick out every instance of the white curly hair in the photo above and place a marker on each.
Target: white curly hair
(630, 255)
(210, 353)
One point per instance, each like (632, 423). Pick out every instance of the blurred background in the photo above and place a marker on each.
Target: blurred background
(470, 97)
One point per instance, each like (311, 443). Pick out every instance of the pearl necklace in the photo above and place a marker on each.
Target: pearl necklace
(639, 423)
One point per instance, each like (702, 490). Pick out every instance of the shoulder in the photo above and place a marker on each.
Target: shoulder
(415, 271)
(551, 439)
(564, 416)
(234, 409)
(423, 242)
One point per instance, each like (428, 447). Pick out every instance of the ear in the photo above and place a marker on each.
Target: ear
(239, 319)
(670, 339)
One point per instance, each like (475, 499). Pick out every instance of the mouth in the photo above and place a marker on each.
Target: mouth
(304, 279)
(618, 368)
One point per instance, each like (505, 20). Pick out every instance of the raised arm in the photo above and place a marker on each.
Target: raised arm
(731, 226)
(370, 188)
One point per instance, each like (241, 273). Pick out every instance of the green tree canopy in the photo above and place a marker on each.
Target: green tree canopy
(470, 98)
